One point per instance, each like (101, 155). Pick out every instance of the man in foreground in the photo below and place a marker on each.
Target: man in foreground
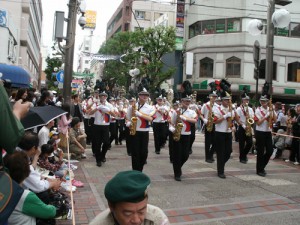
(127, 198)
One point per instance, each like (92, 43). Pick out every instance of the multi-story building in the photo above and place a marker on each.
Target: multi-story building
(216, 34)
(20, 31)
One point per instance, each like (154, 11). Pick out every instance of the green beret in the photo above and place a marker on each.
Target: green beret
(127, 186)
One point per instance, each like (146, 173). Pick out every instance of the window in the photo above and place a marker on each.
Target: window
(206, 67)
(126, 27)
(86, 48)
(233, 25)
(220, 26)
(86, 61)
(295, 29)
(140, 14)
(233, 67)
(208, 27)
(294, 72)
(282, 32)
(262, 69)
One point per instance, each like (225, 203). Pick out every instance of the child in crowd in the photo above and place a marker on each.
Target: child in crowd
(278, 144)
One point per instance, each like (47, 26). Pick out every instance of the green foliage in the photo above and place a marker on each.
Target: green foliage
(155, 43)
(51, 64)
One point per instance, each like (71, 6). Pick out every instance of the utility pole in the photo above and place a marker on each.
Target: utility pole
(69, 50)
(270, 46)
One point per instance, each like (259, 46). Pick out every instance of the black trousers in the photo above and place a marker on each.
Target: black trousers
(166, 133)
(244, 139)
(139, 150)
(264, 149)
(88, 127)
(128, 140)
(121, 130)
(171, 146)
(223, 146)
(100, 141)
(209, 144)
(181, 154)
(193, 135)
(113, 132)
(159, 132)
(295, 153)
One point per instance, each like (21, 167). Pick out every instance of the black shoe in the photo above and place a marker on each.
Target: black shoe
(146, 162)
(262, 174)
(243, 161)
(191, 152)
(99, 164)
(221, 175)
(103, 160)
(177, 178)
(129, 154)
(120, 142)
(209, 161)
(109, 147)
(171, 160)
(116, 143)
(157, 152)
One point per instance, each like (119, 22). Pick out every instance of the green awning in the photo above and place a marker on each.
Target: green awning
(83, 75)
(289, 91)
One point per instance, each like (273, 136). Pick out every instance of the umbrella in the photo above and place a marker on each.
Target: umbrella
(41, 115)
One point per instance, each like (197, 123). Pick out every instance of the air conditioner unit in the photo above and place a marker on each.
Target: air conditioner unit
(283, 2)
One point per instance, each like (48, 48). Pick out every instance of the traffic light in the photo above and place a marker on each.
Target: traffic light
(256, 54)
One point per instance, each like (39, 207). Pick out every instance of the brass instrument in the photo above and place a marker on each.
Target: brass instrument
(289, 124)
(210, 118)
(229, 119)
(249, 122)
(132, 127)
(178, 128)
(271, 114)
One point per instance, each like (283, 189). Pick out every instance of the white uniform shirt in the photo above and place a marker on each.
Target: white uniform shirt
(102, 116)
(241, 112)
(112, 118)
(260, 113)
(142, 124)
(186, 130)
(161, 114)
(219, 112)
(206, 108)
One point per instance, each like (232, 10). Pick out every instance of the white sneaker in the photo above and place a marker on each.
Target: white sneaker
(274, 153)
(287, 160)
(66, 186)
(83, 156)
(296, 163)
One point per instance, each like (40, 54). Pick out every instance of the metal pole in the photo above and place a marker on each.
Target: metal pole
(270, 46)
(69, 52)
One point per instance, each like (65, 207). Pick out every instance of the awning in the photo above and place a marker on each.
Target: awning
(17, 75)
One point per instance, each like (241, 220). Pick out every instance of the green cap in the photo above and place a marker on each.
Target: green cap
(127, 186)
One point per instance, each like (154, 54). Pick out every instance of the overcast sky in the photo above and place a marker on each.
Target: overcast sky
(104, 8)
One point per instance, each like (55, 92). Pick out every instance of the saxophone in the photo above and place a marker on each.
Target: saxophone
(178, 128)
(271, 114)
(249, 122)
(132, 127)
(210, 118)
(229, 119)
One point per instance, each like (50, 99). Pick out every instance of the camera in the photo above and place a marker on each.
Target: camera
(82, 21)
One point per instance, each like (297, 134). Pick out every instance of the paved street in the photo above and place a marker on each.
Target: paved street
(202, 198)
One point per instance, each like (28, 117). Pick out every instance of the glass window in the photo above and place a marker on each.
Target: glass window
(208, 27)
(140, 14)
(206, 67)
(233, 25)
(282, 32)
(233, 67)
(262, 69)
(294, 72)
(191, 31)
(197, 28)
(220, 26)
(295, 29)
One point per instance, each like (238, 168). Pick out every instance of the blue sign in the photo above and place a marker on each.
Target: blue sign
(60, 76)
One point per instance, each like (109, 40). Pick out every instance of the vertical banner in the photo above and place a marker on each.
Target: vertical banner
(189, 63)
(91, 18)
(180, 24)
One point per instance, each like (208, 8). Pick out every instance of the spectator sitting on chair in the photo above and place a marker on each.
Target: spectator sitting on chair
(77, 140)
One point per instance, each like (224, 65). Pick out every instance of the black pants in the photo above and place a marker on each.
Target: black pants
(139, 150)
(128, 140)
(181, 154)
(264, 149)
(223, 146)
(209, 144)
(171, 146)
(88, 127)
(244, 139)
(121, 130)
(113, 132)
(295, 153)
(166, 133)
(100, 141)
(193, 135)
(159, 130)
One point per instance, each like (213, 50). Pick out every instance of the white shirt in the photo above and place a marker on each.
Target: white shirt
(161, 114)
(206, 108)
(241, 112)
(112, 118)
(219, 112)
(260, 113)
(186, 130)
(34, 182)
(43, 136)
(102, 116)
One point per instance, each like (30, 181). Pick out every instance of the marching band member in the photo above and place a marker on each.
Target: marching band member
(181, 147)
(172, 113)
(100, 144)
(120, 120)
(113, 123)
(193, 107)
(223, 132)
(159, 127)
(144, 113)
(264, 118)
(129, 137)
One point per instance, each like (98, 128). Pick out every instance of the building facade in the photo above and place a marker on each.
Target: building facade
(21, 34)
(216, 34)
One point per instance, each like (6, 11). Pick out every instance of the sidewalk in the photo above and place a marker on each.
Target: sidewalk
(201, 198)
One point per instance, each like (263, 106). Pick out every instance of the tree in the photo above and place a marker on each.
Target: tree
(51, 64)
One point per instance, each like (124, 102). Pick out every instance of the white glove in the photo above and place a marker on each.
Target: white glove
(183, 117)
(171, 128)
(229, 114)
(128, 123)
(137, 113)
(205, 121)
(267, 115)
(244, 126)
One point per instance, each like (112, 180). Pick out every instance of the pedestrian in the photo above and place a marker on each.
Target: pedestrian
(127, 197)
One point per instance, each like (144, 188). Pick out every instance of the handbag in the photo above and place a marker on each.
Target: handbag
(10, 194)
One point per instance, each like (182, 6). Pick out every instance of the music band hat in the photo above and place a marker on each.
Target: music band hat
(264, 98)
(103, 94)
(96, 91)
(132, 99)
(112, 99)
(225, 95)
(144, 92)
(213, 94)
(245, 96)
(176, 103)
(159, 97)
(187, 98)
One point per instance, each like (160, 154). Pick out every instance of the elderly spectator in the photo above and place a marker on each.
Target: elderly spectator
(77, 139)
